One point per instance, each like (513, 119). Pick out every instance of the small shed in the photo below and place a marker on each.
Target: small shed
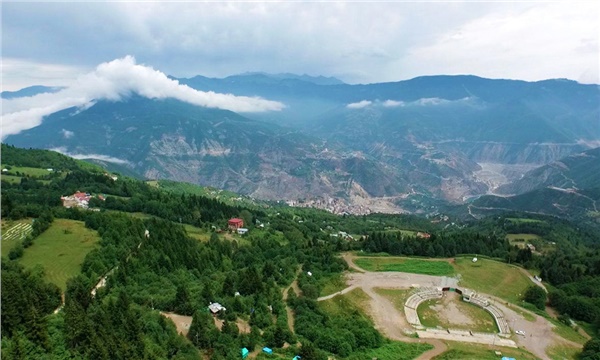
(216, 307)
(267, 350)
(245, 353)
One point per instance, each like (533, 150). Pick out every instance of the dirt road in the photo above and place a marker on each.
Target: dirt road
(392, 322)
(290, 312)
(388, 320)
(182, 322)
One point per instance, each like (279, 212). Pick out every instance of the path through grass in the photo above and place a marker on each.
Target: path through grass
(348, 303)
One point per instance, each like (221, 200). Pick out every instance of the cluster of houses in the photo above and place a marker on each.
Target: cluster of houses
(78, 199)
(342, 234)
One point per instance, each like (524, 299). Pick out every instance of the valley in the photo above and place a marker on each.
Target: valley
(444, 141)
(298, 280)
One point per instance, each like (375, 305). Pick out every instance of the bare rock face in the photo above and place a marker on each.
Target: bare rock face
(413, 144)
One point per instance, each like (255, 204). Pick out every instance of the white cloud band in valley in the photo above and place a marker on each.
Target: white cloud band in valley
(419, 102)
(113, 81)
(100, 157)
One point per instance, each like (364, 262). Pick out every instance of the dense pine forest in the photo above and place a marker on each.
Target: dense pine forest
(152, 264)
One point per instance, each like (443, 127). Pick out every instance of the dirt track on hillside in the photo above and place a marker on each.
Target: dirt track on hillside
(388, 320)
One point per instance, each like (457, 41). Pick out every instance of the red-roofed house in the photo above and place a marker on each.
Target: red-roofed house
(235, 223)
(423, 235)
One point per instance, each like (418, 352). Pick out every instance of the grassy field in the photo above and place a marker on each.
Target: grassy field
(404, 232)
(346, 304)
(526, 237)
(468, 351)
(393, 350)
(561, 352)
(567, 332)
(11, 179)
(493, 277)
(197, 233)
(409, 265)
(33, 172)
(332, 284)
(60, 250)
(523, 220)
(396, 296)
(480, 320)
(13, 232)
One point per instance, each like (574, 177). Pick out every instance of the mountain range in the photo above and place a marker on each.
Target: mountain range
(386, 147)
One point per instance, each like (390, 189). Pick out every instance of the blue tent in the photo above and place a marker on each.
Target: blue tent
(507, 358)
(267, 350)
(245, 353)
(297, 357)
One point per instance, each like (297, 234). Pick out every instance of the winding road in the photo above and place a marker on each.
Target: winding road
(392, 323)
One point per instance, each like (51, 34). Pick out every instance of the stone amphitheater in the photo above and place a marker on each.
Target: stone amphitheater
(428, 293)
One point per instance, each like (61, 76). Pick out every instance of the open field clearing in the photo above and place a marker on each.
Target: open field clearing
(464, 351)
(493, 278)
(332, 284)
(523, 220)
(347, 303)
(60, 250)
(409, 265)
(396, 296)
(394, 350)
(525, 237)
(450, 312)
(403, 232)
(29, 171)
(561, 352)
(11, 179)
(197, 233)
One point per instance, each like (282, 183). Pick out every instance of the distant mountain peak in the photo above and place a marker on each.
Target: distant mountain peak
(319, 80)
(29, 91)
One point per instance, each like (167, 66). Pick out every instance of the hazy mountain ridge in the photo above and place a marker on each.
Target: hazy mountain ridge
(431, 137)
(577, 171)
(29, 91)
(172, 140)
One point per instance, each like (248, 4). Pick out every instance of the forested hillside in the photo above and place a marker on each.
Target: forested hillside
(164, 251)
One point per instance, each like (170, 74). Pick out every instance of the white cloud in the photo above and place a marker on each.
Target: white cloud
(21, 73)
(545, 40)
(67, 134)
(114, 81)
(356, 41)
(431, 101)
(359, 105)
(393, 103)
(100, 157)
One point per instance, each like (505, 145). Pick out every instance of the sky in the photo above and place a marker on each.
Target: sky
(57, 43)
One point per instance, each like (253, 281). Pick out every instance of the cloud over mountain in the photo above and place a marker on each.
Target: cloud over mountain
(359, 105)
(114, 81)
